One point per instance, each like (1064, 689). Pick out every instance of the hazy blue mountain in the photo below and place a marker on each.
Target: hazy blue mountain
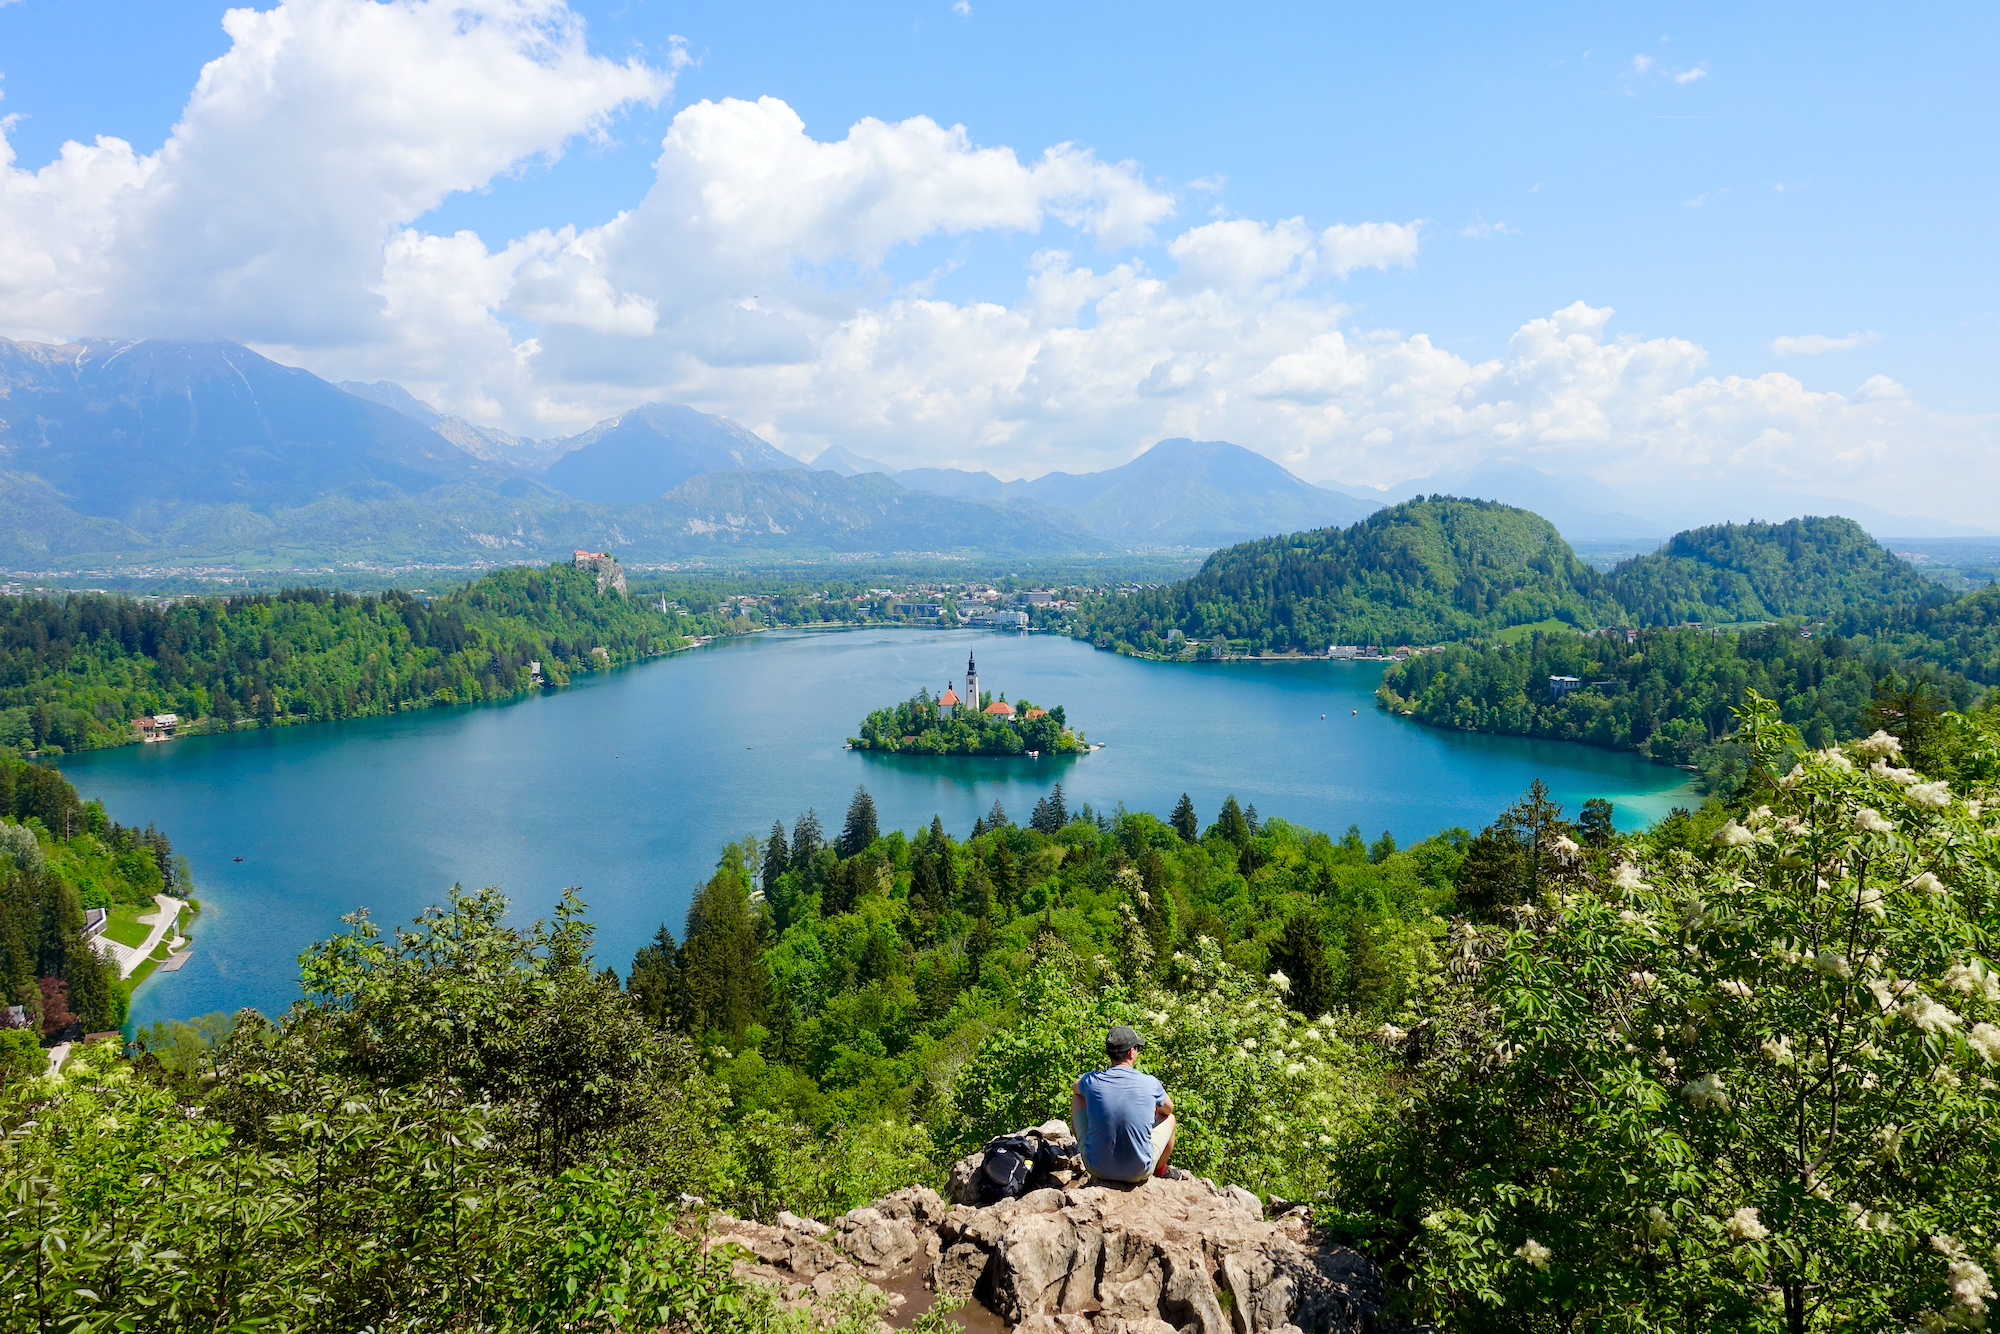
(954, 482)
(840, 459)
(1200, 493)
(650, 450)
(482, 442)
(392, 395)
(135, 430)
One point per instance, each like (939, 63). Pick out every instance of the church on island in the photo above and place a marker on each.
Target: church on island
(950, 705)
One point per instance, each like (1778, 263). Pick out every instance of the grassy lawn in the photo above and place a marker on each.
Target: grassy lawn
(125, 927)
(1514, 634)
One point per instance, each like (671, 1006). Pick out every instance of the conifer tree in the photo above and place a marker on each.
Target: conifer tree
(1300, 954)
(1250, 820)
(777, 856)
(1382, 848)
(806, 840)
(1184, 821)
(654, 982)
(860, 829)
(1231, 824)
(723, 973)
(996, 818)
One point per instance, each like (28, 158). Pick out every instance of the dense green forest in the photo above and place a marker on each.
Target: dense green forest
(1421, 572)
(58, 856)
(1766, 571)
(1669, 694)
(914, 727)
(1440, 570)
(74, 671)
(1727, 1074)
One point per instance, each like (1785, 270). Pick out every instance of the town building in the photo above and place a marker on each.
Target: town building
(946, 702)
(1563, 685)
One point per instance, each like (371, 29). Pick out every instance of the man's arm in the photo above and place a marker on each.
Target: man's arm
(1164, 1108)
(1075, 1101)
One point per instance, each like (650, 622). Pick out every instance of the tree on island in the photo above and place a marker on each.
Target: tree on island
(1185, 822)
(861, 829)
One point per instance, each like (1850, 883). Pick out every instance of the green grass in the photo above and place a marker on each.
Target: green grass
(1514, 634)
(125, 926)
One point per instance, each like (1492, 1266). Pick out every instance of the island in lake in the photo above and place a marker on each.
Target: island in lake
(973, 724)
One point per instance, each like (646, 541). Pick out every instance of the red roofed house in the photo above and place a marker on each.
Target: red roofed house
(947, 702)
(999, 708)
(1034, 713)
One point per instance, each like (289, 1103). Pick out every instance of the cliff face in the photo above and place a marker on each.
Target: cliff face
(1075, 1257)
(609, 573)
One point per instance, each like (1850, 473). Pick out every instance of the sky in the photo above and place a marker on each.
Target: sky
(1685, 250)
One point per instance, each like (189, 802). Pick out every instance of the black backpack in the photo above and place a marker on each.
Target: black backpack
(1009, 1162)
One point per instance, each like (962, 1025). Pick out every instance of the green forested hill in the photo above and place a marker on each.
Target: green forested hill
(1418, 573)
(1670, 695)
(74, 671)
(1764, 571)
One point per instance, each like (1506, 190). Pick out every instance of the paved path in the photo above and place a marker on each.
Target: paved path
(127, 957)
(57, 1054)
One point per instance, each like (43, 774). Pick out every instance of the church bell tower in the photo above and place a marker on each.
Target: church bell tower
(971, 684)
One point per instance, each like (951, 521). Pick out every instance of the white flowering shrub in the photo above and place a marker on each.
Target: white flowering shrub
(1753, 1091)
(1262, 1097)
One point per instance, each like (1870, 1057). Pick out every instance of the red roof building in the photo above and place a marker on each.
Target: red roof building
(999, 708)
(948, 699)
(1034, 713)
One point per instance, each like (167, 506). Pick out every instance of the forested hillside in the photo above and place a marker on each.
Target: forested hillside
(1765, 571)
(1670, 695)
(74, 671)
(58, 856)
(1417, 573)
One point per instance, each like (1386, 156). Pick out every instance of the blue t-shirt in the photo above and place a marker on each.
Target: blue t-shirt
(1118, 1121)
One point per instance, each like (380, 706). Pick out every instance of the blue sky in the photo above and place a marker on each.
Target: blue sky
(1721, 178)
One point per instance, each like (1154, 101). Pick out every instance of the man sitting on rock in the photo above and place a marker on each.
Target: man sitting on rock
(1124, 1117)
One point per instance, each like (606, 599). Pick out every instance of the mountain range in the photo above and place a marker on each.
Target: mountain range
(160, 451)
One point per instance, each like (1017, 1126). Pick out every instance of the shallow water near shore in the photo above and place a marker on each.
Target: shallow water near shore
(628, 783)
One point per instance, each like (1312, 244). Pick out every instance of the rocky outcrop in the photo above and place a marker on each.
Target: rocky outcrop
(1080, 1257)
(610, 574)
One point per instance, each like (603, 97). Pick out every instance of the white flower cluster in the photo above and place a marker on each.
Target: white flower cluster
(1971, 1288)
(1778, 1050)
(1868, 898)
(1973, 978)
(1883, 769)
(1734, 835)
(1281, 982)
(1707, 1091)
(1833, 964)
(1834, 760)
(1937, 795)
(1889, 991)
(1534, 1253)
(1868, 820)
(1565, 846)
(1879, 746)
(1734, 987)
(1744, 1225)
(1926, 1015)
(1929, 884)
(1658, 1224)
(1642, 980)
(1627, 877)
(1985, 1039)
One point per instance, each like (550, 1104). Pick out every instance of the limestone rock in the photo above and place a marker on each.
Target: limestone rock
(1078, 1257)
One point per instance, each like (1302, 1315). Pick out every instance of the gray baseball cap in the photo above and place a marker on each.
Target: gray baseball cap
(1121, 1037)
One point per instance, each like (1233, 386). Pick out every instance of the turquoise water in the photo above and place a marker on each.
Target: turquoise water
(629, 783)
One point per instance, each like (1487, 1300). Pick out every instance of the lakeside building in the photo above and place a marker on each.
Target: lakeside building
(157, 727)
(999, 620)
(1563, 685)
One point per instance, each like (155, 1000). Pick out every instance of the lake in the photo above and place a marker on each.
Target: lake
(628, 783)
